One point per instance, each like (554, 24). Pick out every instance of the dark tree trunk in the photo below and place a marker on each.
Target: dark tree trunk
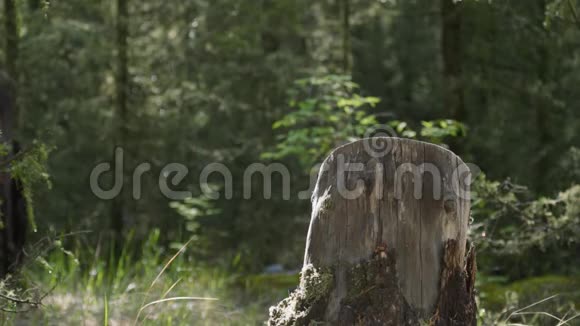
(545, 138)
(118, 210)
(13, 213)
(346, 45)
(11, 37)
(14, 220)
(11, 45)
(452, 55)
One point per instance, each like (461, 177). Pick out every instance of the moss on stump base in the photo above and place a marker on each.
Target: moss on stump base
(374, 295)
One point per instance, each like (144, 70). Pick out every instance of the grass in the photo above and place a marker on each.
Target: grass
(544, 300)
(160, 288)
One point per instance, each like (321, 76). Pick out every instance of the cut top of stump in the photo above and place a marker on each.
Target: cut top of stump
(400, 195)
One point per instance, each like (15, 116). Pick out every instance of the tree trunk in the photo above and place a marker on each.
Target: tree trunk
(122, 130)
(346, 47)
(545, 140)
(452, 54)
(387, 240)
(11, 37)
(14, 221)
(10, 113)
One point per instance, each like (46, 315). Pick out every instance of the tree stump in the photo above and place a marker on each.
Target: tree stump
(387, 243)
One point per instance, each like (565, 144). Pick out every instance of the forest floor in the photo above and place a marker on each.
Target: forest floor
(171, 289)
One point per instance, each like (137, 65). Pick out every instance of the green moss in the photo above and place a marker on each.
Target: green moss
(358, 281)
(374, 296)
(315, 286)
(366, 276)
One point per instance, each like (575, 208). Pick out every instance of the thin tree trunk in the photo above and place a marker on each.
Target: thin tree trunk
(11, 37)
(14, 221)
(189, 15)
(545, 139)
(11, 56)
(122, 82)
(452, 54)
(346, 46)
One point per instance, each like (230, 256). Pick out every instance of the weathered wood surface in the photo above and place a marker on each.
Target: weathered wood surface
(389, 206)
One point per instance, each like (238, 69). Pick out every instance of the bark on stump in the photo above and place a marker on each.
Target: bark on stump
(387, 243)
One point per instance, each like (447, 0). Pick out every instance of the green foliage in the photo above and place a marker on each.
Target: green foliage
(434, 131)
(438, 130)
(195, 212)
(193, 208)
(509, 225)
(562, 11)
(326, 112)
(29, 169)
